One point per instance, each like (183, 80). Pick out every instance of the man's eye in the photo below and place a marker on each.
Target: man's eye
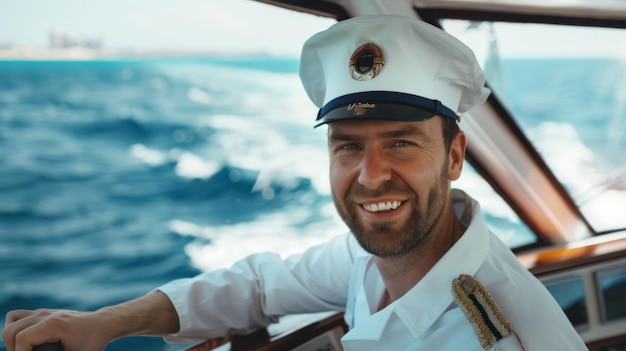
(349, 147)
(403, 143)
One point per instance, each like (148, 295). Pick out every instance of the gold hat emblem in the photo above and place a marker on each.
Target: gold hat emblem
(360, 108)
(366, 62)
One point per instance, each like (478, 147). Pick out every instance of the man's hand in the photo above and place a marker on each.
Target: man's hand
(152, 314)
(75, 330)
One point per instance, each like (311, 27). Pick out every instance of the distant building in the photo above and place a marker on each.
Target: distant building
(62, 40)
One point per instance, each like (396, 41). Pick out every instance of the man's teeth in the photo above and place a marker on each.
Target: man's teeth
(382, 206)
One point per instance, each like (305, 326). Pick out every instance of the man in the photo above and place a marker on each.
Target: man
(420, 270)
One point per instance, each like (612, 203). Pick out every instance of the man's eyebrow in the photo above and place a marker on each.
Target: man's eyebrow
(335, 136)
(408, 131)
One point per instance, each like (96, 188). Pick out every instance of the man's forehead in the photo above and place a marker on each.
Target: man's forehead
(428, 128)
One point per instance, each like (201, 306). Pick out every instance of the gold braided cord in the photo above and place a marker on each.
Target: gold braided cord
(465, 286)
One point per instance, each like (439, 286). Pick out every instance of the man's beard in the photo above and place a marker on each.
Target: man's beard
(381, 238)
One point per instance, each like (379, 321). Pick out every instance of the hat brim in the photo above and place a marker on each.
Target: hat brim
(382, 105)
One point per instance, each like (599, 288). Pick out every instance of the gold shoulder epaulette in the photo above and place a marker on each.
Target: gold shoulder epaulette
(480, 310)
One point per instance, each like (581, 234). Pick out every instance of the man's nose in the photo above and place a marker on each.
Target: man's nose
(373, 170)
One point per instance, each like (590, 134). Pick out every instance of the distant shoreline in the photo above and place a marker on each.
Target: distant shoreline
(77, 54)
(8, 53)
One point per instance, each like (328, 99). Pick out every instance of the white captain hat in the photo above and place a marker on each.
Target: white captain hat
(389, 67)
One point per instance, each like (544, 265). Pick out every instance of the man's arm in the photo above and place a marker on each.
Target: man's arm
(152, 314)
(259, 288)
(244, 298)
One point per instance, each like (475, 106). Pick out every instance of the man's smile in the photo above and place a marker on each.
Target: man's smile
(382, 206)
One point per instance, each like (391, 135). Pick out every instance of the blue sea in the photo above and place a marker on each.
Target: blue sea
(119, 175)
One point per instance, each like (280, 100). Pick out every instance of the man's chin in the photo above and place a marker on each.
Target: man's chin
(384, 251)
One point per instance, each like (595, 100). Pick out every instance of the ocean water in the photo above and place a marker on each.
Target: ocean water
(120, 175)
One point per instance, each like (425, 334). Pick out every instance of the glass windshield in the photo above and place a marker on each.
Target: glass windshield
(500, 218)
(565, 88)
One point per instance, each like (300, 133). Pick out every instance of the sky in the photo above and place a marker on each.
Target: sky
(533, 40)
(159, 24)
(226, 26)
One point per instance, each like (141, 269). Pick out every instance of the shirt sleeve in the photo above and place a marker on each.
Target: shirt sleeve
(260, 288)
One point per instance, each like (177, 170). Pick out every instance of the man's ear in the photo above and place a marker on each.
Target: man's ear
(456, 156)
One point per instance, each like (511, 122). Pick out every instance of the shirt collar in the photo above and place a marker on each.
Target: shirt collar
(421, 306)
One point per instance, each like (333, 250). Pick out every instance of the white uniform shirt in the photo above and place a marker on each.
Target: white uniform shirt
(339, 275)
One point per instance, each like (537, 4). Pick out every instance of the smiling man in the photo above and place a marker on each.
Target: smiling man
(390, 183)
(390, 89)
(420, 270)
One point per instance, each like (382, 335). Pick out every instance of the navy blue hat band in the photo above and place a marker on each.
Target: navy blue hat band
(382, 105)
